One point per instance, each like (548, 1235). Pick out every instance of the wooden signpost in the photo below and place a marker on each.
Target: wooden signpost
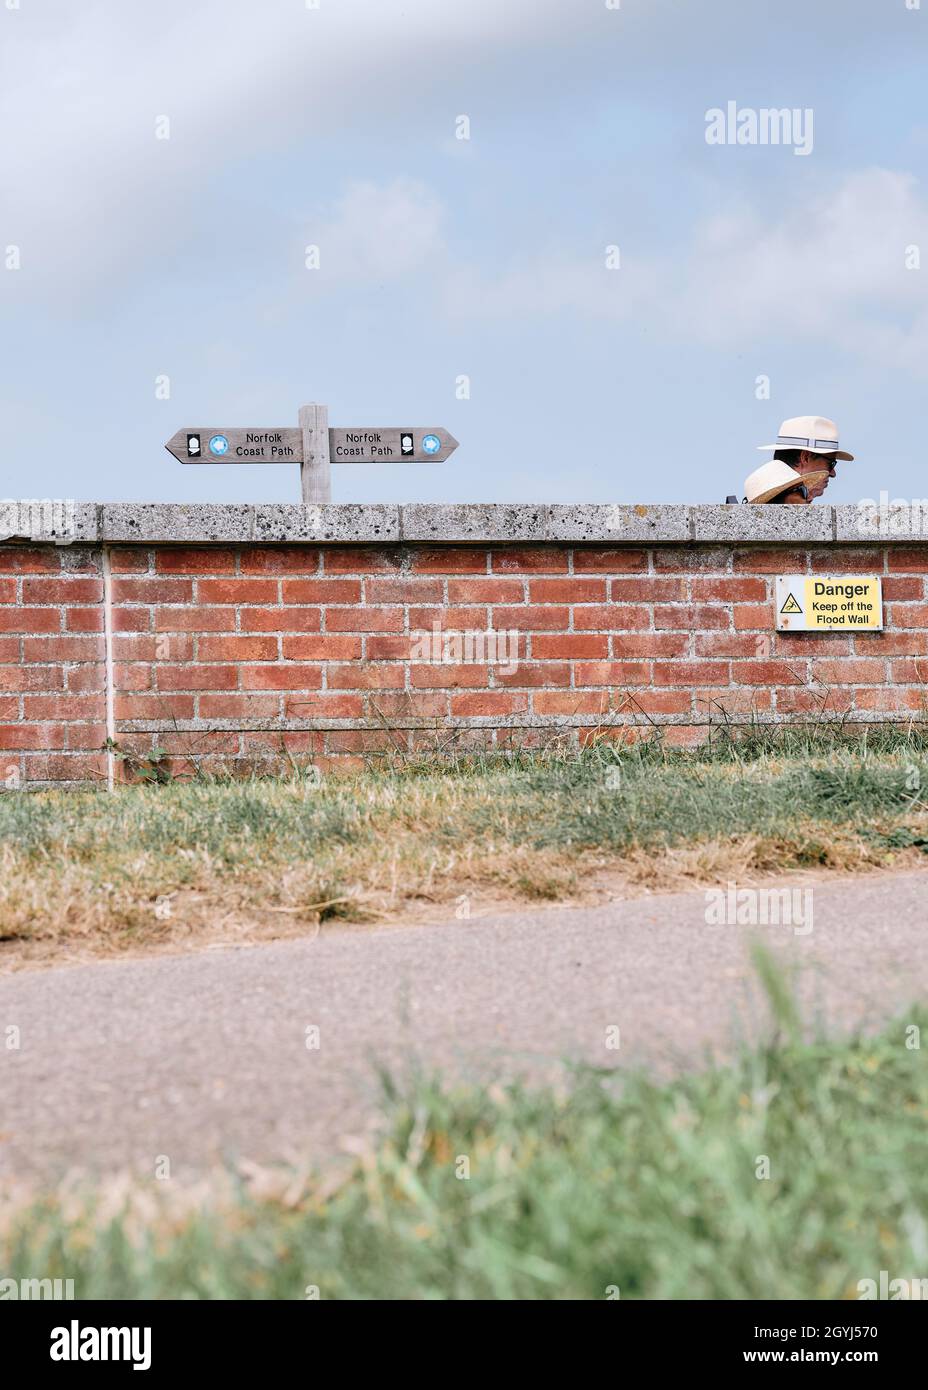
(313, 446)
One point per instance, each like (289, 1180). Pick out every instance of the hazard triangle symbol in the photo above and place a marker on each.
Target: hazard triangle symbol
(790, 606)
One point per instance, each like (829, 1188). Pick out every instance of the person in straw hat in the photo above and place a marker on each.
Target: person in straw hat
(809, 444)
(776, 481)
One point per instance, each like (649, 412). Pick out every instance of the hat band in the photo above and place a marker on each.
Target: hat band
(794, 441)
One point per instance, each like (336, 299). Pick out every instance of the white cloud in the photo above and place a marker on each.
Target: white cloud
(379, 232)
(829, 269)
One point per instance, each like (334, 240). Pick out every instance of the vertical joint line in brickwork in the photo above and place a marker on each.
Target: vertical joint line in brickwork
(108, 668)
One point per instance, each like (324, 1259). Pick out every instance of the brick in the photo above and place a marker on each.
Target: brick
(151, 589)
(898, 587)
(571, 701)
(195, 619)
(617, 617)
(31, 737)
(448, 619)
(570, 590)
(280, 619)
(237, 649)
(85, 735)
(610, 561)
(66, 767)
(31, 678)
(389, 648)
(612, 673)
(194, 677)
(569, 644)
(488, 703)
(364, 619)
(62, 648)
(702, 559)
(16, 619)
(854, 671)
(360, 559)
(535, 618)
(767, 672)
(725, 701)
(900, 615)
(282, 559)
(543, 559)
(10, 647)
(84, 677)
(753, 615)
(9, 707)
(235, 705)
(7, 590)
(147, 646)
(909, 670)
(658, 701)
(689, 617)
(63, 589)
(685, 736)
(19, 560)
(807, 644)
(191, 560)
(802, 700)
(490, 590)
(323, 647)
(408, 704)
(836, 560)
(442, 677)
(83, 619)
(366, 676)
(296, 677)
(724, 589)
(695, 673)
(913, 561)
(238, 590)
(390, 589)
(162, 705)
(366, 740)
(897, 700)
(648, 590)
(650, 644)
(769, 561)
(736, 644)
(135, 677)
(326, 706)
(322, 591)
(131, 619)
(129, 560)
(530, 676)
(63, 706)
(909, 642)
(446, 560)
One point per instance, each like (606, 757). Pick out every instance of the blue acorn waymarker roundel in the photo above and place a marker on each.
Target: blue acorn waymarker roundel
(431, 444)
(219, 444)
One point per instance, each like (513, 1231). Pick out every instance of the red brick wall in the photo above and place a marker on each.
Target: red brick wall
(244, 652)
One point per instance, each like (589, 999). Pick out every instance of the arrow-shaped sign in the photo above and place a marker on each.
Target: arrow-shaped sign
(391, 445)
(199, 444)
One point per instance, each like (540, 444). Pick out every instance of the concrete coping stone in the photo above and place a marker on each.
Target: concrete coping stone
(602, 524)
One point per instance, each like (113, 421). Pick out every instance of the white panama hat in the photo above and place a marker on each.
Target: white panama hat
(774, 478)
(811, 432)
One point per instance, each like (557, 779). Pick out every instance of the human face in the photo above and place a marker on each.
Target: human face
(814, 463)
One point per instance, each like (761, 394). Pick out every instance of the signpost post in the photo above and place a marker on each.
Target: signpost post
(313, 446)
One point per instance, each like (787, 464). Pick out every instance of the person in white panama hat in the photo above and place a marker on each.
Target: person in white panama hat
(776, 482)
(809, 444)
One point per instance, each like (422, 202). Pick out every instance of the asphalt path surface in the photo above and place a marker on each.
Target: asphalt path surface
(213, 1055)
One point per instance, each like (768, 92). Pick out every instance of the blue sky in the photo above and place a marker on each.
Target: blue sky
(440, 258)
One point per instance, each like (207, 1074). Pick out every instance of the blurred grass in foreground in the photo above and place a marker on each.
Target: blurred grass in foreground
(615, 1182)
(157, 863)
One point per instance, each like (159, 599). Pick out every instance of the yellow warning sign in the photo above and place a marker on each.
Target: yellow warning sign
(833, 603)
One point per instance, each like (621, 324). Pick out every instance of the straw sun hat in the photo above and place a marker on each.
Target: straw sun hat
(774, 478)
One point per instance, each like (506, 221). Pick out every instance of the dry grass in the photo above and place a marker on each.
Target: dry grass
(177, 867)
